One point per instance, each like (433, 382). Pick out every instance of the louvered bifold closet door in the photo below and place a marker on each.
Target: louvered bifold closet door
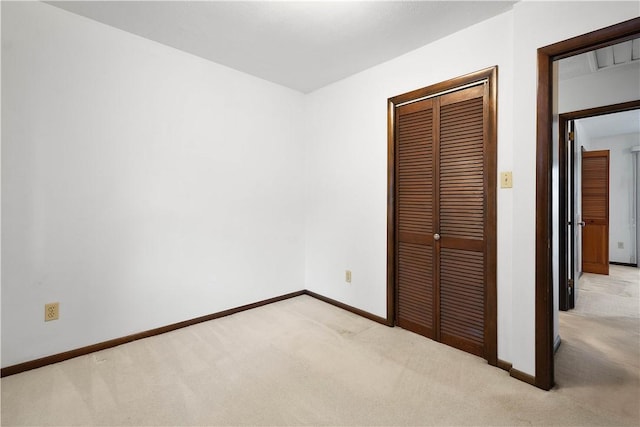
(414, 229)
(461, 219)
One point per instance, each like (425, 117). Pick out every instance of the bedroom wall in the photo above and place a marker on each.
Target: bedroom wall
(604, 87)
(347, 166)
(539, 24)
(141, 186)
(346, 159)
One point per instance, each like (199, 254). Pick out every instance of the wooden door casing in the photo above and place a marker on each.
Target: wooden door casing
(595, 211)
(544, 289)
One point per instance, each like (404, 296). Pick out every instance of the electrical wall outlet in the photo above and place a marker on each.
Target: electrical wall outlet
(347, 276)
(51, 311)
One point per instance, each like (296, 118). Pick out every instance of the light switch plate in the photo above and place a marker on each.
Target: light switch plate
(506, 180)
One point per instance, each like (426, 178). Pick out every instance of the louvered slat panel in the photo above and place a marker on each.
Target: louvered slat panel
(594, 188)
(415, 287)
(415, 172)
(461, 295)
(414, 198)
(595, 212)
(462, 170)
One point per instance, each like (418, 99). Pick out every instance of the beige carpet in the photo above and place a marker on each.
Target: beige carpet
(599, 358)
(303, 362)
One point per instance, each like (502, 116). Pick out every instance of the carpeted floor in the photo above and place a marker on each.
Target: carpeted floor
(303, 362)
(599, 358)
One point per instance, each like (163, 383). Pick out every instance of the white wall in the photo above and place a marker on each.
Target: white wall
(539, 24)
(154, 214)
(555, 204)
(605, 87)
(141, 186)
(347, 166)
(346, 159)
(621, 211)
(0, 191)
(636, 155)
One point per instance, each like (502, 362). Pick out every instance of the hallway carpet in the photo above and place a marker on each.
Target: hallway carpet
(304, 362)
(599, 358)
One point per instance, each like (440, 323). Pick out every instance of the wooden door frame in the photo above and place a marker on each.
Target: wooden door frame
(491, 301)
(563, 184)
(627, 30)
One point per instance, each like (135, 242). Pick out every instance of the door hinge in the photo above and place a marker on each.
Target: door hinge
(571, 135)
(570, 286)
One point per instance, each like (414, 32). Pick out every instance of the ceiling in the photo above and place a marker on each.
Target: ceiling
(623, 123)
(623, 54)
(305, 45)
(619, 55)
(301, 45)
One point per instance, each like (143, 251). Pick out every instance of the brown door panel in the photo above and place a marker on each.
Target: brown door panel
(462, 344)
(415, 219)
(461, 220)
(595, 253)
(595, 212)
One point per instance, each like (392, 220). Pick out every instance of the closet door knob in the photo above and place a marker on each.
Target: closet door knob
(436, 236)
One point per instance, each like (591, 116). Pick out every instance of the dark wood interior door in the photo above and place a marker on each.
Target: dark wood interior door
(461, 219)
(595, 212)
(415, 226)
(441, 185)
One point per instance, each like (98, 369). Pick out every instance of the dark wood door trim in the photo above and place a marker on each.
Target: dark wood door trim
(491, 76)
(436, 219)
(566, 300)
(391, 214)
(627, 30)
(563, 212)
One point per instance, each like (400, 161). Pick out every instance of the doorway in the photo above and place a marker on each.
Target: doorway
(599, 330)
(576, 130)
(544, 323)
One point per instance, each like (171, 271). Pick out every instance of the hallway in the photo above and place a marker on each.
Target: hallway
(598, 361)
